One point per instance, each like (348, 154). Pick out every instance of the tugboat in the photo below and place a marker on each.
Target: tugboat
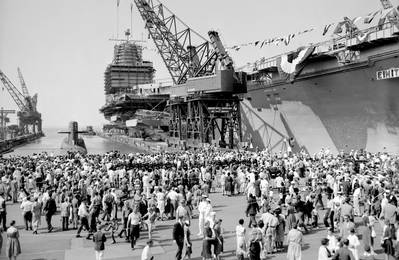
(73, 143)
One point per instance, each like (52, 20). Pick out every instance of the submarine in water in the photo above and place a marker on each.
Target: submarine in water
(73, 143)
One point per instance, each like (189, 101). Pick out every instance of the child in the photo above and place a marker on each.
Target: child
(151, 217)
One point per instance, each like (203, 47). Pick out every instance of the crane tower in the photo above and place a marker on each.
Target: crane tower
(204, 103)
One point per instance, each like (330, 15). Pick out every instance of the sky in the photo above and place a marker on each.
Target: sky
(63, 47)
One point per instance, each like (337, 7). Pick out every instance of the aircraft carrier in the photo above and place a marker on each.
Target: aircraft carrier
(342, 95)
(339, 95)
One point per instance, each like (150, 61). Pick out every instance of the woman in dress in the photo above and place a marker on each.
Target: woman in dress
(13, 246)
(294, 239)
(36, 214)
(254, 247)
(240, 234)
(229, 185)
(218, 238)
(354, 244)
(161, 204)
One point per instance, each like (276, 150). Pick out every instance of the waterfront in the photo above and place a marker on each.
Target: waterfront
(52, 141)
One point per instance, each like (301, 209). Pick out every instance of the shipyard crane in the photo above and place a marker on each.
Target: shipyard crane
(28, 115)
(204, 105)
(3, 122)
(30, 101)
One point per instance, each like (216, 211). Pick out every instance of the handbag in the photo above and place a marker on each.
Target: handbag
(373, 234)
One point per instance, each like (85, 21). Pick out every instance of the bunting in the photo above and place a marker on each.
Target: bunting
(370, 17)
(326, 28)
(348, 24)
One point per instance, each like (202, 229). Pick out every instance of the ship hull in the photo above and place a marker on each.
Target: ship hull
(340, 108)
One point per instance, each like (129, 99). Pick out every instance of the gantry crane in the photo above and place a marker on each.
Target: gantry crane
(3, 122)
(29, 119)
(204, 105)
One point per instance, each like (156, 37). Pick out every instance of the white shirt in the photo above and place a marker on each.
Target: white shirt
(82, 211)
(26, 206)
(323, 255)
(146, 254)
(332, 243)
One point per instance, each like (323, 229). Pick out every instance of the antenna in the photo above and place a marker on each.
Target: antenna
(117, 18)
(131, 18)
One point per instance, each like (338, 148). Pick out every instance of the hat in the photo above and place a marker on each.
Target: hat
(324, 241)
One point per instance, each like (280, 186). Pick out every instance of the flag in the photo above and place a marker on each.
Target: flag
(338, 29)
(262, 44)
(326, 28)
(117, 2)
(356, 19)
(256, 43)
(131, 7)
(370, 17)
(236, 48)
(288, 39)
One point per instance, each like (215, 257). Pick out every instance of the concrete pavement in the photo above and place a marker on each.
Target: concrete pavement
(62, 245)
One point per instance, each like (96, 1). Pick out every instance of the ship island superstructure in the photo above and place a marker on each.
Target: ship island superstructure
(129, 86)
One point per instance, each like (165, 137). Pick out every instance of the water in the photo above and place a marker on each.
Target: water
(51, 144)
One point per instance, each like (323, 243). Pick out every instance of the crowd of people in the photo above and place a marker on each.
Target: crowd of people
(287, 195)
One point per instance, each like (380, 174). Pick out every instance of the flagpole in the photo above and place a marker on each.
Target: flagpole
(117, 19)
(131, 19)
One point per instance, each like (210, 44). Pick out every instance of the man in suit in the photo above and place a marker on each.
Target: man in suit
(178, 237)
(99, 240)
(344, 253)
(49, 209)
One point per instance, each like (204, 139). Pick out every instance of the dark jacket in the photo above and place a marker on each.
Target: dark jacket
(99, 239)
(50, 207)
(252, 207)
(178, 233)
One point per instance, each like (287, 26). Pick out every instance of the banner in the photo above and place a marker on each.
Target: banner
(290, 65)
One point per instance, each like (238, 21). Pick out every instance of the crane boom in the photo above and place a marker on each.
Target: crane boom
(25, 91)
(14, 92)
(175, 43)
